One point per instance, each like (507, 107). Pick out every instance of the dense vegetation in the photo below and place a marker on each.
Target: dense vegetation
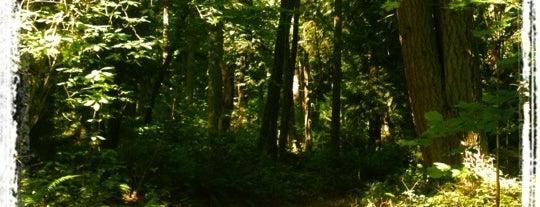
(265, 103)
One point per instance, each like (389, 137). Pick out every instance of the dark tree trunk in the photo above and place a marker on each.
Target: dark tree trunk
(268, 136)
(215, 81)
(422, 65)
(162, 69)
(336, 78)
(228, 96)
(287, 116)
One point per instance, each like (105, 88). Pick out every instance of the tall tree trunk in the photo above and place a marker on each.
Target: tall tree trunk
(336, 77)
(241, 92)
(215, 81)
(439, 67)
(304, 86)
(459, 64)
(461, 81)
(228, 96)
(287, 116)
(422, 66)
(166, 57)
(268, 136)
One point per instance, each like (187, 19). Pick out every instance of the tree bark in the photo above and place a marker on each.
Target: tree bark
(439, 67)
(459, 64)
(461, 81)
(422, 66)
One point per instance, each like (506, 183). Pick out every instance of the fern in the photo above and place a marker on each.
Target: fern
(60, 180)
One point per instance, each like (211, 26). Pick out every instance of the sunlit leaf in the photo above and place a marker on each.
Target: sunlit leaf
(89, 102)
(96, 106)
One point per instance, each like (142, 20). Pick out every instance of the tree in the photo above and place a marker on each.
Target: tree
(439, 67)
(268, 135)
(220, 76)
(336, 77)
(215, 81)
(287, 128)
(166, 56)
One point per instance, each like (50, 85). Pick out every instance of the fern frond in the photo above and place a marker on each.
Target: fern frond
(62, 179)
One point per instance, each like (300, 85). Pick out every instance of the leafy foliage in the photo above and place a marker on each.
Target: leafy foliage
(467, 189)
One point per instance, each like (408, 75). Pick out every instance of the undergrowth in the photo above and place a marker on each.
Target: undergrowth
(472, 184)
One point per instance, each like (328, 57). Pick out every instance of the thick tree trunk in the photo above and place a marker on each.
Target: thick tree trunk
(422, 68)
(439, 67)
(461, 81)
(459, 64)
(268, 136)
(336, 78)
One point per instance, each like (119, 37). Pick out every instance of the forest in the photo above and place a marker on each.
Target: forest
(271, 103)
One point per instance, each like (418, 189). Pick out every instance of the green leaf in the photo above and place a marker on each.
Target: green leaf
(442, 166)
(433, 116)
(390, 5)
(434, 172)
(390, 195)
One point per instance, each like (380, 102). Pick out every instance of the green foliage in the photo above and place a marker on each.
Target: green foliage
(412, 189)
(442, 170)
(220, 170)
(88, 180)
(389, 5)
(490, 116)
(79, 44)
(487, 116)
